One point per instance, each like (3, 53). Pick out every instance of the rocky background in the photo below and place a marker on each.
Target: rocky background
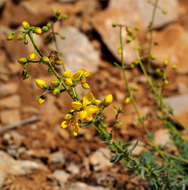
(41, 156)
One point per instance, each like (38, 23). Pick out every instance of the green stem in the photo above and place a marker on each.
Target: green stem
(126, 80)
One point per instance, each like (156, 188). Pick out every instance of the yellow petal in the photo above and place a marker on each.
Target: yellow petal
(76, 105)
(68, 81)
(41, 83)
(67, 74)
(76, 129)
(41, 100)
(85, 85)
(78, 74)
(92, 109)
(83, 115)
(88, 98)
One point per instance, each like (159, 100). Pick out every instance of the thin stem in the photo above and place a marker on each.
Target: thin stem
(125, 78)
(151, 26)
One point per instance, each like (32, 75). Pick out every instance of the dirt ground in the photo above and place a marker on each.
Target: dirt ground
(44, 138)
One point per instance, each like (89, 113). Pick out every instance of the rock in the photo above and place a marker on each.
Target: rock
(13, 138)
(57, 157)
(103, 24)
(100, 159)
(73, 168)
(162, 137)
(182, 88)
(10, 116)
(61, 176)
(8, 89)
(78, 53)
(180, 106)
(140, 12)
(83, 186)
(10, 102)
(175, 51)
(10, 166)
(15, 68)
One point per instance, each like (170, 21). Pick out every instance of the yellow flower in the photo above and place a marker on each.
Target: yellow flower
(166, 82)
(79, 73)
(38, 30)
(41, 100)
(71, 122)
(108, 99)
(67, 74)
(68, 81)
(41, 83)
(32, 56)
(68, 116)
(25, 25)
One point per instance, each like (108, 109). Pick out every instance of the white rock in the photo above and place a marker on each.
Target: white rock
(57, 157)
(101, 159)
(73, 168)
(162, 137)
(9, 166)
(78, 53)
(61, 176)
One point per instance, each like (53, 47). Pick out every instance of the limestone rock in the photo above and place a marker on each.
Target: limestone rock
(141, 11)
(103, 24)
(100, 159)
(78, 53)
(173, 46)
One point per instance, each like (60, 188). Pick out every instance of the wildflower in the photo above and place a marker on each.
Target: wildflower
(164, 11)
(22, 60)
(80, 73)
(58, 13)
(108, 99)
(76, 105)
(136, 88)
(127, 100)
(38, 30)
(41, 83)
(128, 40)
(25, 25)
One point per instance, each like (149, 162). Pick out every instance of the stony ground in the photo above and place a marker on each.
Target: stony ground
(39, 155)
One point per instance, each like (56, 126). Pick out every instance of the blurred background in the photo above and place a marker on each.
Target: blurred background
(40, 155)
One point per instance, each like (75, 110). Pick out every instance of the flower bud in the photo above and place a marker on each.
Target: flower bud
(41, 83)
(85, 85)
(68, 81)
(10, 36)
(165, 63)
(174, 67)
(45, 29)
(45, 59)
(22, 60)
(127, 100)
(59, 62)
(21, 37)
(41, 100)
(108, 99)
(68, 116)
(56, 91)
(32, 56)
(25, 25)
(38, 30)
